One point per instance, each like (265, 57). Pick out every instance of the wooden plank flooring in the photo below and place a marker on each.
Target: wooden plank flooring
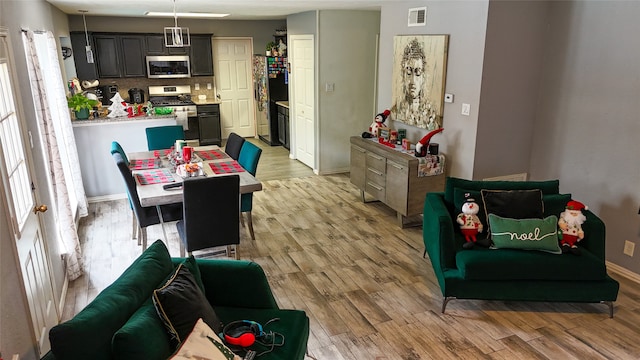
(364, 284)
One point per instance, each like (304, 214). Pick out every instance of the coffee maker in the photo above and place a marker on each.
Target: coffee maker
(105, 93)
(136, 96)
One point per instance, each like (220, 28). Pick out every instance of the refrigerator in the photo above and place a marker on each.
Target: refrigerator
(271, 81)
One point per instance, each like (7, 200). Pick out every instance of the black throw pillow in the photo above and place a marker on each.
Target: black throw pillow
(513, 204)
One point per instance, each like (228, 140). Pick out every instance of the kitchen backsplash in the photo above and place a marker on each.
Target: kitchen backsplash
(124, 84)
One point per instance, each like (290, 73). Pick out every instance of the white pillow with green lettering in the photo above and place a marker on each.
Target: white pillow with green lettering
(525, 234)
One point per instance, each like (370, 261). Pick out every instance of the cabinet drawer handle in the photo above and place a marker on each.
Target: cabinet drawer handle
(375, 186)
(396, 166)
(359, 149)
(375, 172)
(376, 157)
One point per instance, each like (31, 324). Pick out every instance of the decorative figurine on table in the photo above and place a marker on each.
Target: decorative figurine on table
(469, 221)
(423, 145)
(377, 123)
(570, 224)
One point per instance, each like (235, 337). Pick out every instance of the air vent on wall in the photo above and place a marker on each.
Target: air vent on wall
(418, 16)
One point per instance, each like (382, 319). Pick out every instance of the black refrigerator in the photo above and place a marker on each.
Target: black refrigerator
(271, 84)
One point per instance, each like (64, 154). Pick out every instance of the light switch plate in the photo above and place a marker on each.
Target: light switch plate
(196, 86)
(448, 98)
(328, 87)
(466, 108)
(208, 86)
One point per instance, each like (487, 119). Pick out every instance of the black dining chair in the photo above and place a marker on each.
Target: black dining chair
(234, 145)
(147, 215)
(248, 159)
(211, 214)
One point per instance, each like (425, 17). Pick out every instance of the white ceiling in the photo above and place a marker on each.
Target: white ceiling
(239, 9)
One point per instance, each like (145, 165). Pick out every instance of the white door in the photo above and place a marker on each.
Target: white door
(234, 83)
(303, 92)
(20, 203)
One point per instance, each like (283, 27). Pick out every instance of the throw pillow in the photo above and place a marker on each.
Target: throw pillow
(555, 204)
(180, 303)
(204, 343)
(526, 234)
(514, 204)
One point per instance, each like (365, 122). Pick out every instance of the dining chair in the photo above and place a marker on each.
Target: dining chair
(248, 159)
(211, 214)
(148, 215)
(163, 137)
(234, 145)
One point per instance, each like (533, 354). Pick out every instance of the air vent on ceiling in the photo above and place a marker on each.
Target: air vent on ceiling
(418, 16)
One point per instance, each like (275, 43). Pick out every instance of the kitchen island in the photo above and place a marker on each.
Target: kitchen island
(102, 180)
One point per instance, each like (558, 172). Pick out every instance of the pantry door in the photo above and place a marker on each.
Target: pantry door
(304, 98)
(21, 207)
(234, 85)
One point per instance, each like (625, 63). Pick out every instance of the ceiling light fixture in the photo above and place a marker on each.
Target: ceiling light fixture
(185, 14)
(176, 36)
(87, 48)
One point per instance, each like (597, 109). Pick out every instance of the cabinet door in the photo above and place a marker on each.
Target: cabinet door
(210, 132)
(286, 129)
(177, 50)
(397, 186)
(84, 70)
(201, 57)
(107, 53)
(358, 168)
(281, 126)
(155, 45)
(133, 58)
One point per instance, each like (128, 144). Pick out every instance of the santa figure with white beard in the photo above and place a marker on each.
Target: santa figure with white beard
(570, 223)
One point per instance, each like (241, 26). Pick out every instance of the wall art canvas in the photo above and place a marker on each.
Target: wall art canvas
(419, 74)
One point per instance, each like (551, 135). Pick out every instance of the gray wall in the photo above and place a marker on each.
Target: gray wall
(15, 332)
(465, 22)
(347, 58)
(586, 130)
(302, 23)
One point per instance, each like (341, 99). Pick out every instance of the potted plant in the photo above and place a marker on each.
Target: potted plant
(270, 46)
(81, 105)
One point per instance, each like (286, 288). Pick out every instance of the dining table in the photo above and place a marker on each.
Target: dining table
(152, 170)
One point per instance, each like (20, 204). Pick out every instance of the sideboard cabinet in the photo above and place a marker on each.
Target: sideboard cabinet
(391, 176)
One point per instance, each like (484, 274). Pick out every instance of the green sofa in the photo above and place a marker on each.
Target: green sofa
(122, 323)
(510, 274)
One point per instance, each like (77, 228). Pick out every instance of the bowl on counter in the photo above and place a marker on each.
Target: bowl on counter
(163, 111)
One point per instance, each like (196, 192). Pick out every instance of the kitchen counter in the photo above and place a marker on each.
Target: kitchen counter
(283, 103)
(207, 101)
(121, 120)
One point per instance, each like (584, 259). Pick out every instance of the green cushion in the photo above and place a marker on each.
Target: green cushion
(88, 335)
(144, 335)
(555, 204)
(525, 234)
(547, 187)
(293, 324)
(511, 264)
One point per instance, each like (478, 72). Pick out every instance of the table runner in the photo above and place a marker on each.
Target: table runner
(158, 176)
(142, 164)
(211, 154)
(226, 167)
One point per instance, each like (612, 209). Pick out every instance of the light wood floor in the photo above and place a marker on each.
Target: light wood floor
(365, 286)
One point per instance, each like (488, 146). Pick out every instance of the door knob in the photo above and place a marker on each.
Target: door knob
(41, 208)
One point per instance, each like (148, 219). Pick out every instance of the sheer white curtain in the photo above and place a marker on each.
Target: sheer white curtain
(58, 143)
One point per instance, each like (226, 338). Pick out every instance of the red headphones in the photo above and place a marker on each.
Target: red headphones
(242, 333)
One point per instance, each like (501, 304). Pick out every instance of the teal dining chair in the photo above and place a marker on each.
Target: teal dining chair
(163, 137)
(117, 149)
(248, 159)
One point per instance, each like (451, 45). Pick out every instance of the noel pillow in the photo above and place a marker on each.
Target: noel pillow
(203, 343)
(525, 234)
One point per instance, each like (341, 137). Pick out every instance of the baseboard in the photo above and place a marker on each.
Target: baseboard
(623, 272)
(333, 172)
(63, 296)
(96, 199)
(512, 177)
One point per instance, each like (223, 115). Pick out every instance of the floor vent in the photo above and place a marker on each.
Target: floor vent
(418, 16)
(512, 177)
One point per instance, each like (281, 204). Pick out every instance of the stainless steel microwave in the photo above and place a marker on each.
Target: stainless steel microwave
(168, 67)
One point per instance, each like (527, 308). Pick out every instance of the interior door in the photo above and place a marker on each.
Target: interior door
(234, 85)
(15, 173)
(303, 86)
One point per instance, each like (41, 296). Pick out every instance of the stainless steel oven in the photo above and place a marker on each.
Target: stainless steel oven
(168, 67)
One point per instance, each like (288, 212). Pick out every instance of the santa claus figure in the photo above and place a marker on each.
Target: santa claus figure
(470, 224)
(378, 122)
(570, 223)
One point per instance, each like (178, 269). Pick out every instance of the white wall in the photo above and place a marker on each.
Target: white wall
(465, 22)
(587, 127)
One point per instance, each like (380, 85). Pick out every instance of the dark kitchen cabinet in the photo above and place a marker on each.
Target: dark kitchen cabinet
(107, 53)
(133, 55)
(209, 124)
(84, 70)
(283, 125)
(155, 45)
(201, 57)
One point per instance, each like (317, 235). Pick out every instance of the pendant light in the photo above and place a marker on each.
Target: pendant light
(87, 48)
(176, 36)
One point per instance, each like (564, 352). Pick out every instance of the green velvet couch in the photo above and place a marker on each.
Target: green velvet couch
(121, 323)
(510, 274)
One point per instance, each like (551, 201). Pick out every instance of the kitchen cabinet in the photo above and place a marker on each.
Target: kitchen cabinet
(155, 45)
(201, 57)
(391, 176)
(283, 125)
(84, 70)
(107, 53)
(209, 124)
(133, 56)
